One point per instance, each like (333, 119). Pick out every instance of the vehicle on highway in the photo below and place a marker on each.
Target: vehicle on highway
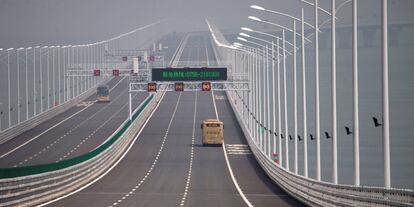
(212, 132)
(102, 93)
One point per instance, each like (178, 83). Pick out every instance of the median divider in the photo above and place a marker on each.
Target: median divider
(34, 185)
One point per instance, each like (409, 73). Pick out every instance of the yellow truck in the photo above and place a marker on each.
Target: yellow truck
(212, 132)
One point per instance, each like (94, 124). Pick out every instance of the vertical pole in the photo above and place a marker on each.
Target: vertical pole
(8, 87)
(261, 95)
(268, 102)
(82, 65)
(27, 90)
(318, 136)
(285, 103)
(64, 74)
(295, 102)
(130, 104)
(304, 112)
(53, 77)
(34, 82)
(18, 87)
(48, 80)
(252, 94)
(279, 116)
(78, 78)
(334, 119)
(68, 81)
(385, 96)
(59, 76)
(256, 114)
(355, 91)
(273, 99)
(41, 80)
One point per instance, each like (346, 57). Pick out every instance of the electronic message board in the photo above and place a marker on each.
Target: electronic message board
(189, 74)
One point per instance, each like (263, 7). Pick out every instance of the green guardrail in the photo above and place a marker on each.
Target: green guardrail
(42, 168)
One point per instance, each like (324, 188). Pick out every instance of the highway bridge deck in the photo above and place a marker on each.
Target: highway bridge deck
(168, 166)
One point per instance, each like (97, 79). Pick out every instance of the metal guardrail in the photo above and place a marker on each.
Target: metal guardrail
(34, 185)
(18, 129)
(307, 190)
(315, 193)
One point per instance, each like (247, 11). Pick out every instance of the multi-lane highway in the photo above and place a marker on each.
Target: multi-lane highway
(168, 166)
(72, 133)
(79, 129)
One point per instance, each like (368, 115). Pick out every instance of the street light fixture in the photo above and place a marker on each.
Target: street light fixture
(280, 13)
(268, 42)
(277, 25)
(264, 33)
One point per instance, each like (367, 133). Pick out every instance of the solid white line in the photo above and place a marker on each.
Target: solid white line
(116, 163)
(27, 142)
(233, 178)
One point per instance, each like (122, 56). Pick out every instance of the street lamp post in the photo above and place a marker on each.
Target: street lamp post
(385, 96)
(280, 154)
(334, 114)
(18, 85)
(285, 103)
(27, 86)
(8, 83)
(317, 94)
(34, 81)
(59, 75)
(304, 112)
(48, 77)
(355, 92)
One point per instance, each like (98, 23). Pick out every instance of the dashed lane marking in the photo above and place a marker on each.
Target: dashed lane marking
(238, 149)
(85, 103)
(54, 126)
(218, 97)
(190, 168)
(93, 133)
(138, 184)
(68, 133)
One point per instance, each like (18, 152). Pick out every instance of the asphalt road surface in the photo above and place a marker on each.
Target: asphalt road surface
(168, 166)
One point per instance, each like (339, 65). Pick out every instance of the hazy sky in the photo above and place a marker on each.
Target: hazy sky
(47, 22)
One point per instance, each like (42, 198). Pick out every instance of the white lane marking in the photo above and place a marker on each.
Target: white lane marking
(27, 142)
(233, 178)
(190, 168)
(71, 130)
(238, 149)
(95, 131)
(219, 97)
(85, 103)
(113, 166)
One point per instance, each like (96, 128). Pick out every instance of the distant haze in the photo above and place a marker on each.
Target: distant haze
(47, 22)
